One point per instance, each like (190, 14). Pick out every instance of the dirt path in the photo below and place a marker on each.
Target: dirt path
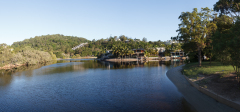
(198, 100)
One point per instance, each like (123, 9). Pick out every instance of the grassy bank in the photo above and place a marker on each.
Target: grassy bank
(192, 70)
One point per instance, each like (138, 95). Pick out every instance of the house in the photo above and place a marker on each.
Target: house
(169, 42)
(107, 55)
(117, 39)
(177, 53)
(126, 41)
(137, 40)
(161, 49)
(139, 52)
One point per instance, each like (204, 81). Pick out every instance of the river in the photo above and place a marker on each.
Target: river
(88, 85)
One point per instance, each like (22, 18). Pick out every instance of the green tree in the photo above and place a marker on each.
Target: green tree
(122, 37)
(226, 7)
(224, 45)
(194, 29)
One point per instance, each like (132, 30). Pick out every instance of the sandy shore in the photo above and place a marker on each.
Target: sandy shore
(198, 100)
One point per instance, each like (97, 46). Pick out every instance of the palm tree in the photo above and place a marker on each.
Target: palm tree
(115, 50)
(130, 52)
(124, 51)
(146, 53)
(121, 54)
(156, 52)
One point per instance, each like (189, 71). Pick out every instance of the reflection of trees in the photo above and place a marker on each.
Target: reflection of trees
(5, 78)
(92, 64)
(77, 65)
(126, 65)
(177, 62)
(6, 75)
(67, 67)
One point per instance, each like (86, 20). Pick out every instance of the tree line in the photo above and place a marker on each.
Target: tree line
(123, 45)
(61, 45)
(213, 33)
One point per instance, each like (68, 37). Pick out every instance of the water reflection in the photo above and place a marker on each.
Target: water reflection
(62, 66)
(88, 85)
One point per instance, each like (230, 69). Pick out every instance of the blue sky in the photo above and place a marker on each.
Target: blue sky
(93, 19)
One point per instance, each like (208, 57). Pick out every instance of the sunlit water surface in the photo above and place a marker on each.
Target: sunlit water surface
(88, 85)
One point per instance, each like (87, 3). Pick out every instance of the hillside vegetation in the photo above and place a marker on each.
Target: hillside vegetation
(25, 56)
(61, 45)
(55, 43)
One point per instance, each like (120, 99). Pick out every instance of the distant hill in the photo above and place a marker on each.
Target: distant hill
(54, 43)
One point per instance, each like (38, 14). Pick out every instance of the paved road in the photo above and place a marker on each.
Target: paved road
(198, 100)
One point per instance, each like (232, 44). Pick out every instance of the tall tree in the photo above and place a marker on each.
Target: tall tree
(194, 29)
(221, 39)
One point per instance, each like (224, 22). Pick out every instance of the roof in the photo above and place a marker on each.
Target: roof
(138, 49)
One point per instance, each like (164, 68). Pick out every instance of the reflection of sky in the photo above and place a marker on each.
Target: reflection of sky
(78, 65)
(89, 86)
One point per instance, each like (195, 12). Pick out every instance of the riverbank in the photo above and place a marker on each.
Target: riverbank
(78, 58)
(197, 99)
(141, 59)
(10, 66)
(216, 80)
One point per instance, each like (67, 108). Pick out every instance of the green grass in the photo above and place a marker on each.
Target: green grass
(192, 70)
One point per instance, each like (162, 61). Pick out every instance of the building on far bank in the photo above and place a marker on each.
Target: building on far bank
(139, 52)
(161, 51)
(177, 53)
(169, 42)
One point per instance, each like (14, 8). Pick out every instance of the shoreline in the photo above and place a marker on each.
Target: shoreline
(11, 66)
(201, 102)
(78, 58)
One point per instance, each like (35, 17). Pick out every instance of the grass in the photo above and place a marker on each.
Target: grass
(192, 70)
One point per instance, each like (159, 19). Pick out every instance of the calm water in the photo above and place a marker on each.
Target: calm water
(87, 85)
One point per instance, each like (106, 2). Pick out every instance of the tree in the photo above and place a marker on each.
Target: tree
(234, 46)
(225, 7)
(78, 56)
(226, 41)
(194, 29)
(6, 54)
(130, 52)
(122, 37)
(146, 53)
(144, 39)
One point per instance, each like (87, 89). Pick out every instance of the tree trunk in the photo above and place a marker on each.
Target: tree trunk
(199, 57)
